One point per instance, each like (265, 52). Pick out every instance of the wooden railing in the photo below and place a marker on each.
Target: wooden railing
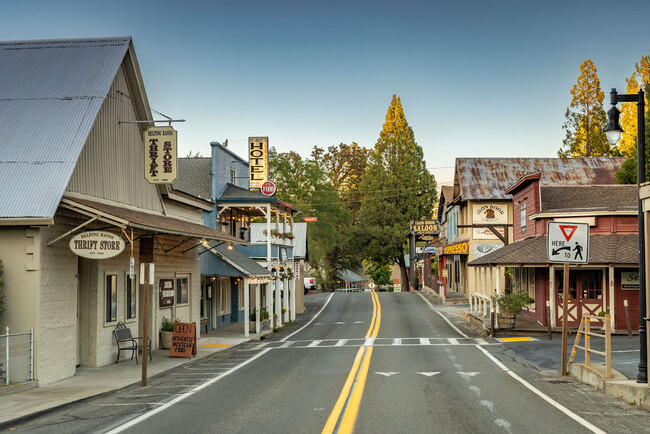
(585, 328)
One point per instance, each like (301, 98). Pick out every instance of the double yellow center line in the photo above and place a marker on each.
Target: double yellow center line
(345, 410)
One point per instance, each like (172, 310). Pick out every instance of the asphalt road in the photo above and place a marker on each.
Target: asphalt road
(408, 370)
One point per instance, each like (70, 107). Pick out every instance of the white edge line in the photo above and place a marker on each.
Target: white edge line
(443, 317)
(310, 321)
(179, 398)
(542, 395)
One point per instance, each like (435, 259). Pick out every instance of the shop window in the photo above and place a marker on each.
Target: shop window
(223, 296)
(111, 298)
(182, 290)
(523, 218)
(240, 290)
(592, 284)
(131, 296)
(573, 284)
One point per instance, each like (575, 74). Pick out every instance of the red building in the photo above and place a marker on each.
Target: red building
(610, 277)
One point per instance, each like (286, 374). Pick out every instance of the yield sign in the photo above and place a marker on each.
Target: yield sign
(567, 242)
(567, 231)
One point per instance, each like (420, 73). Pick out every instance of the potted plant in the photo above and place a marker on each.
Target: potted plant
(510, 304)
(166, 333)
(264, 319)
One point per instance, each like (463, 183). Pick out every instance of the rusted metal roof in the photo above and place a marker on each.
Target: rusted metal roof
(489, 178)
(50, 94)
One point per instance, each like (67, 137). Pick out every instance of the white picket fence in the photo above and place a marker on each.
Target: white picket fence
(16, 357)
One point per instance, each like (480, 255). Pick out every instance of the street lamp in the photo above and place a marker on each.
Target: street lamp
(613, 132)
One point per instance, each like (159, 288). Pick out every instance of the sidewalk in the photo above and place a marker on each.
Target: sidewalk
(546, 354)
(89, 382)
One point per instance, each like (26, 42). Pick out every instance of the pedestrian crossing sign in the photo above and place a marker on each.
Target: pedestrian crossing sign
(567, 242)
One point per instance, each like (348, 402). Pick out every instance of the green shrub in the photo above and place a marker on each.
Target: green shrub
(512, 302)
(263, 314)
(167, 325)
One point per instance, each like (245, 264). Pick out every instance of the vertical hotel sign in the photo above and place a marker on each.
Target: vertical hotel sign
(160, 147)
(258, 161)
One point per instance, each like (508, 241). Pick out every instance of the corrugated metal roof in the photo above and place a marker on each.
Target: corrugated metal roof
(488, 178)
(50, 94)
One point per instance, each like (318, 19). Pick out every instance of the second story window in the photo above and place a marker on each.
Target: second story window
(523, 218)
(233, 175)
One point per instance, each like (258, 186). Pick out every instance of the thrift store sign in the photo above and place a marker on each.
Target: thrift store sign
(97, 245)
(160, 155)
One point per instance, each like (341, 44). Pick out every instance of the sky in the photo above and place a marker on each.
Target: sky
(476, 78)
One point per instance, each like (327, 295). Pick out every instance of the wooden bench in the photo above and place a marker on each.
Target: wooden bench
(204, 322)
(126, 342)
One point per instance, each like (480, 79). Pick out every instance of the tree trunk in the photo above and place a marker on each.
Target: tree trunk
(403, 272)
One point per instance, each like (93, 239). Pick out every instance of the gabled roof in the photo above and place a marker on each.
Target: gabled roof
(239, 261)
(603, 249)
(50, 94)
(194, 177)
(234, 194)
(489, 178)
(448, 193)
(585, 198)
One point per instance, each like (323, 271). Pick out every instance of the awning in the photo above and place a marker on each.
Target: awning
(126, 217)
(222, 261)
(605, 249)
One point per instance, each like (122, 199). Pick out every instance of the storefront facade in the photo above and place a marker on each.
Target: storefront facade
(81, 171)
(605, 284)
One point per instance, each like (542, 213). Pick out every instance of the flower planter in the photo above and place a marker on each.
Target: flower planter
(166, 339)
(506, 320)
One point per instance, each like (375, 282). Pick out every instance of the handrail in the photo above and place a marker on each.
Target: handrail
(585, 329)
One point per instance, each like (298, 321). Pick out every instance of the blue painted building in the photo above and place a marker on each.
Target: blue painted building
(259, 273)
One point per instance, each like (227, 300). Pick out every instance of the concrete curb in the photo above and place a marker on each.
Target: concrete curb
(628, 390)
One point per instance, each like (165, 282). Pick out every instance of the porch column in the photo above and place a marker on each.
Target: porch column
(610, 291)
(285, 294)
(269, 302)
(258, 307)
(246, 306)
(292, 283)
(278, 300)
(552, 295)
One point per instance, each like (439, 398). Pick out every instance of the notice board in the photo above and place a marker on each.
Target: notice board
(183, 340)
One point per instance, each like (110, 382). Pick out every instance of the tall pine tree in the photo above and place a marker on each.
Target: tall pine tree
(396, 188)
(585, 117)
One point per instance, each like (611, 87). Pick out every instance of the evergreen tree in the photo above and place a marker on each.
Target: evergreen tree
(585, 117)
(396, 188)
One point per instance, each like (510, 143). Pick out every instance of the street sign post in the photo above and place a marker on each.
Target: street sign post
(567, 243)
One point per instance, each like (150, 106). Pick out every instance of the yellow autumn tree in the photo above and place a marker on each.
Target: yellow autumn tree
(627, 144)
(585, 117)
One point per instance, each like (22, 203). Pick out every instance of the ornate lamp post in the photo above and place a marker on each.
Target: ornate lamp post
(613, 131)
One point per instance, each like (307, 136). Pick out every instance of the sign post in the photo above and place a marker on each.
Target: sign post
(567, 243)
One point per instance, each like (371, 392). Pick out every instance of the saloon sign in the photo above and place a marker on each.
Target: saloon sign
(258, 161)
(97, 245)
(425, 227)
(160, 155)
